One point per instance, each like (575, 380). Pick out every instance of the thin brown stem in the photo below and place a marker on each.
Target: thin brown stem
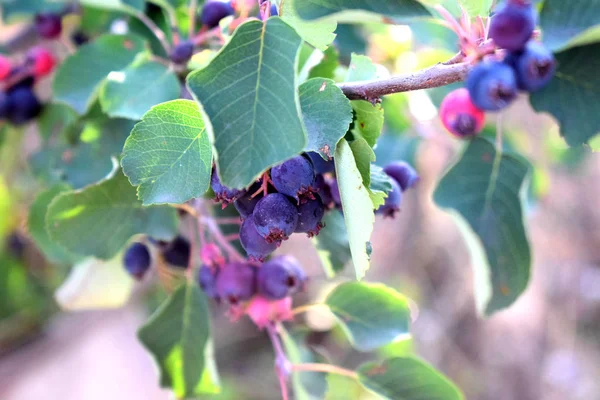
(282, 364)
(327, 368)
(160, 35)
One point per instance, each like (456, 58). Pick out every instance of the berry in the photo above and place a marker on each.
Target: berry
(534, 67)
(324, 190)
(207, 279)
(15, 244)
(294, 177)
(222, 193)
(512, 25)
(236, 282)
(460, 117)
(137, 260)
(214, 11)
(280, 277)
(403, 173)
(335, 192)
(246, 203)
(321, 166)
(48, 25)
(492, 86)
(255, 245)
(182, 53)
(5, 67)
(310, 215)
(275, 217)
(41, 61)
(5, 105)
(79, 38)
(177, 253)
(392, 202)
(263, 311)
(274, 12)
(24, 105)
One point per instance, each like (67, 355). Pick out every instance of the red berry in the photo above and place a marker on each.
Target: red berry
(460, 116)
(5, 67)
(41, 61)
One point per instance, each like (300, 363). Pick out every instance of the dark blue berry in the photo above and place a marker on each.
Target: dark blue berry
(182, 53)
(392, 202)
(177, 253)
(310, 215)
(207, 279)
(512, 25)
(236, 282)
(275, 217)
(280, 277)
(324, 190)
(222, 193)
(492, 85)
(15, 243)
(274, 10)
(255, 245)
(321, 166)
(48, 25)
(534, 67)
(24, 105)
(403, 173)
(295, 178)
(137, 260)
(214, 11)
(246, 203)
(5, 105)
(79, 38)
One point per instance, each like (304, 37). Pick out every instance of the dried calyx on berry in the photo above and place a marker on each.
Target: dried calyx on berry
(295, 178)
(223, 194)
(275, 217)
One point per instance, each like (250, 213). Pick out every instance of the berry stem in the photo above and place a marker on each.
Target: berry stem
(232, 237)
(160, 35)
(327, 368)
(228, 221)
(221, 240)
(282, 364)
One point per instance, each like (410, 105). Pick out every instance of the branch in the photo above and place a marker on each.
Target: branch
(439, 75)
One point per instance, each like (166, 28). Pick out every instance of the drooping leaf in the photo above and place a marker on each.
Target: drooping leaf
(358, 208)
(485, 189)
(135, 90)
(178, 337)
(327, 66)
(80, 76)
(399, 10)
(332, 243)
(407, 378)
(573, 93)
(249, 94)
(318, 34)
(372, 315)
(168, 154)
(98, 220)
(326, 113)
(567, 24)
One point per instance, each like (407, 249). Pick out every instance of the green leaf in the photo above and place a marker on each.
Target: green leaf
(485, 191)
(135, 90)
(477, 7)
(368, 122)
(37, 226)
(178, 337)
(567, 24)
(364, 156)
(572, 95)
(55, 119)
(318, 34)
(395, 9)
(168, 155)
(128, 6)
(332, 243)
(407, 378)
(19, 8)
(80, 76)
(379, 187)
(361, 69)
(358, 208)
(327, 66)
(372, 315)
(100, 219)
(327, 115)
(391, 148)
(249, 94)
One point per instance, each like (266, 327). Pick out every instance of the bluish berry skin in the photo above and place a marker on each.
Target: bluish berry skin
(534, 67)
(182, 53)
(294, 177)
(24, 105)
(48, 25)
(137, 260)
(274, 12)
(177, 253)
(5, 105)
(512, 25)
(207, 279)
(492, 85)
(236, 282)
(280, 277)
(335, 192)
(222, 193)
(321, 166)
(392, 202)
(403, 173)
(324, 190)
(246, 203)
(214, 11)
(275, 217)
(255, 245)
(310, 215)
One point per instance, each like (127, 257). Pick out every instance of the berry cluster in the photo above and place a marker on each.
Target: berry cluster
(522, 64)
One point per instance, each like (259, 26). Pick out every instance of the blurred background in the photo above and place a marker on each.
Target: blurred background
(546, 346)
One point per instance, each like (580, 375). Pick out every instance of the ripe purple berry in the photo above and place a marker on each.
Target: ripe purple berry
(255, 245)
(275, 217)
(492, 85)
(403, 173)
(5, 105)
(392, 202)
(324, 190)
(236, 282)
(48, 25)
(274, 12)
(222, 193)
(207, 279)
(310, 215)
(24, 105)
(321, 166)
(214, 11)
(295, 178)
(245, 204)
(280, 277)
(534, 67)
(182, 53)
(137, 260)
(512, 25)
(177, 253)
